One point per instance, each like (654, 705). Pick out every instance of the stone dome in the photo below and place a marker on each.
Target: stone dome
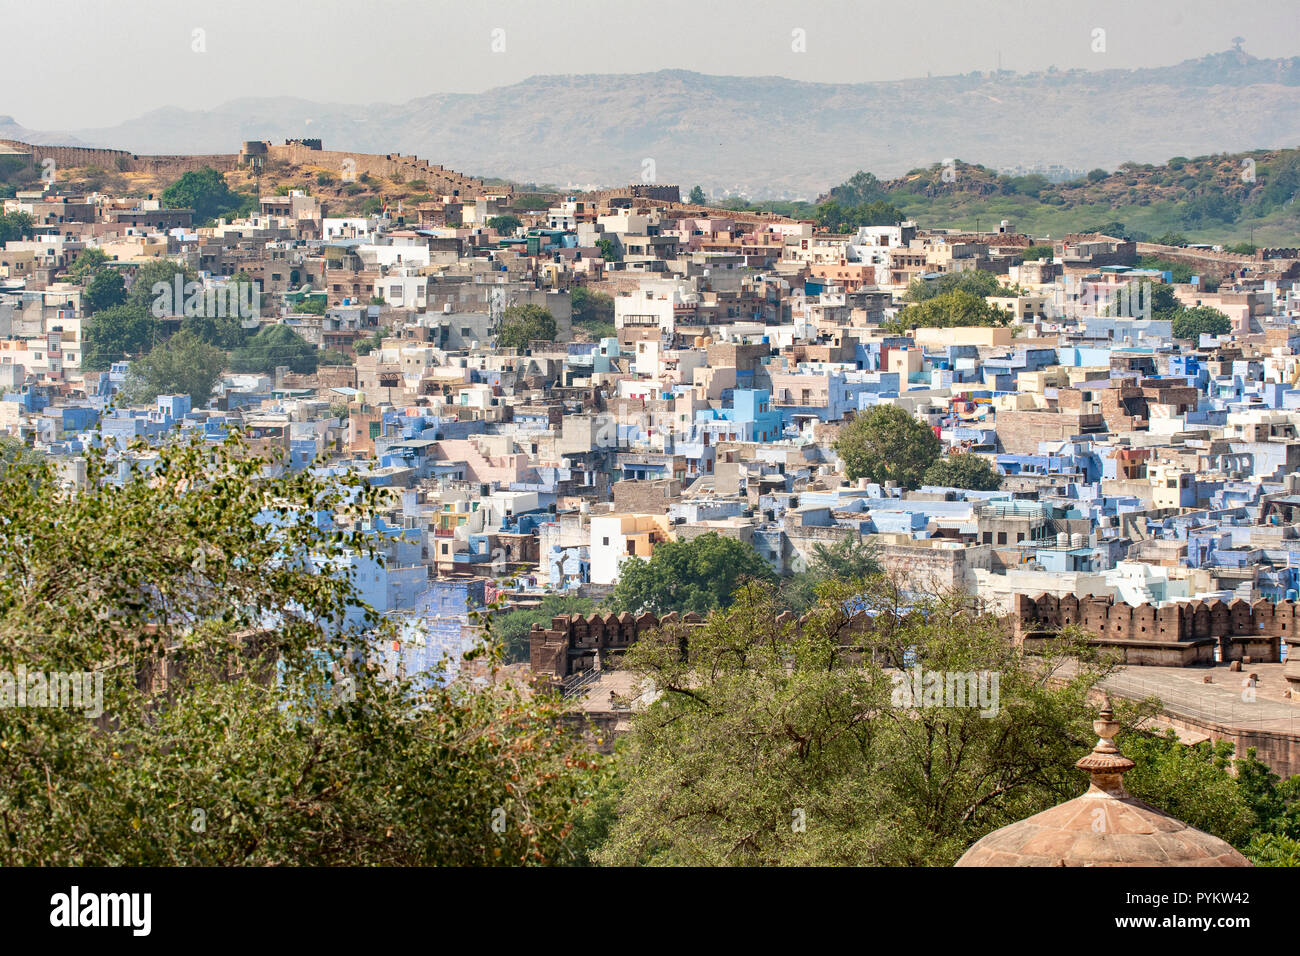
(1106, 826)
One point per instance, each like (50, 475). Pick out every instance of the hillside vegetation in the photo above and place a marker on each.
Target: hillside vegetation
(1217, 198)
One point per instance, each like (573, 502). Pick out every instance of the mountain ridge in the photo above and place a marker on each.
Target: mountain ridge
(766, 136)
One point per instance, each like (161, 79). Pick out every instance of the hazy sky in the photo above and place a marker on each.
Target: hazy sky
(87, 63)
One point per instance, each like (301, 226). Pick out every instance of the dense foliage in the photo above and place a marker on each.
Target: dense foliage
(521, 325)
(850, 559)
(205, 191)
(769, 745)
(117, 333)
(1193, 322)
(956, 309)
(593, 312)
(775, 743)
(182, 365)
(14, 225)
(277, 743)
(963, 470)
(887, 443)
(975, 281)
(697, 575)
(274, 346)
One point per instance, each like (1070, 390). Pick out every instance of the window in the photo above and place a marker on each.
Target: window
(605, 542)
(1002, 537)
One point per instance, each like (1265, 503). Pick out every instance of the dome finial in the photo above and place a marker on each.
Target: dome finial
(1106, 764)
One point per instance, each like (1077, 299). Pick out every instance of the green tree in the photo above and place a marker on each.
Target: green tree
(182, 365)
(523, 324)
(762, 723)
(205, 191)
(15, 225)
(87, 264)
(370, 343)
(14, 453)
(1191, 323)
(504, 224)
(1097, 175)
(106, 290)
(271, 347)
(159, 273)
(1038, 252)
(1031, 185)
(963, 470)
(223, 332)
(696, 575)
(886, 443)
(314, 305)
(696, 198)
(608, 250)
(333, 357)
(1195, 784)
(281, 741)
(117, 333)
(1164, 304)
(841, 218)
(976, 282)
(1271, 849)
(956, 309)
(861, 187)
(593, 312)
(1211, 209)
(851, 559)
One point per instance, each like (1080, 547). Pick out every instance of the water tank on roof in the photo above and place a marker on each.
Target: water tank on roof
(1076, 540)
(1062, 540)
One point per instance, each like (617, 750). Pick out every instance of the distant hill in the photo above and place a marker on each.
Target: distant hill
(11, 129)
(1222, 197)
(769, 136)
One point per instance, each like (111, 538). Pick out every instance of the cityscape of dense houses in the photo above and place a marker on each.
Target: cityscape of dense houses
(707, 398)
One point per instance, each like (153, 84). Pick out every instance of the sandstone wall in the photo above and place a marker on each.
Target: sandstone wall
(1240, 629)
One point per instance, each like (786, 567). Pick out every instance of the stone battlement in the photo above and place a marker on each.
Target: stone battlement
(575, 643)
(438, 179)
(1176, 634)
